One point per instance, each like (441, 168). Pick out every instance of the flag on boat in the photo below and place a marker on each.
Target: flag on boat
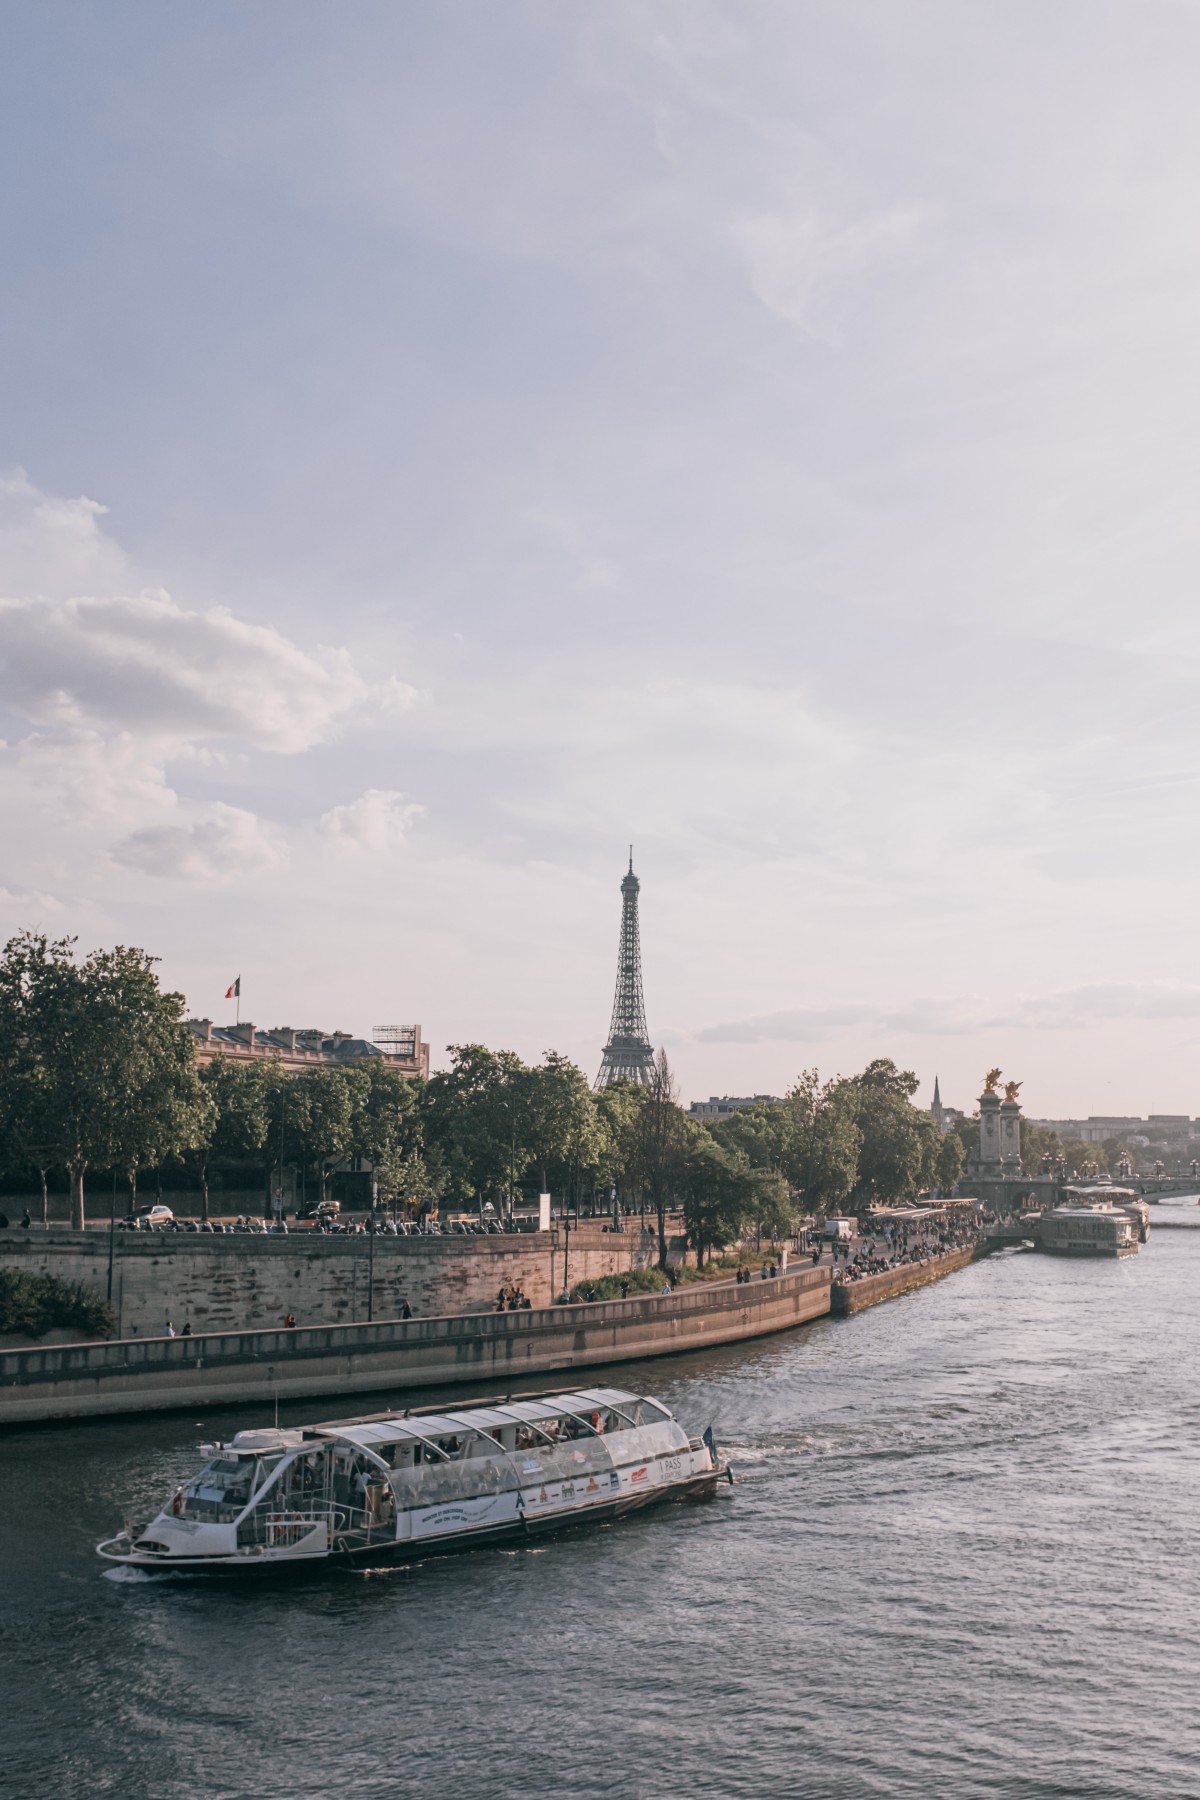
(234, 990)
(710, 1441)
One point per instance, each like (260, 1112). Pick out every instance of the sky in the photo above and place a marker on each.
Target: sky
(441, 445)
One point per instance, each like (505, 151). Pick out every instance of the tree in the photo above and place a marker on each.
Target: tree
(98, 1053)
(389, 1129)
(661, 1145)
(475, 1119)
(561, 1125)
(317, 1113)
(618, 1122)
(894, 1159)
(237, 1119)
(947, 1162)
(822, 1142)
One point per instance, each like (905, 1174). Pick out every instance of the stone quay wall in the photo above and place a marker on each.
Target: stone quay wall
(498, 1352)
(852, 1296)
(242, 1282)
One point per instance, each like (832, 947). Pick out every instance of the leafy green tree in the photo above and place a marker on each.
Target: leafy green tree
(948, 1162)
(475, 1119)
(896, 1149)
(389, 1129)
(236, 1118)
(318, 1109)
(99, 1053)
(822, 1143)
(561, 1125)
(618, 1120)
(661, 1145)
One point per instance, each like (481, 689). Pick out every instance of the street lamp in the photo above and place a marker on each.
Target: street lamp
(511, 1110)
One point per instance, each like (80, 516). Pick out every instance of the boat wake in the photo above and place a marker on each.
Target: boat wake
(128, 1573)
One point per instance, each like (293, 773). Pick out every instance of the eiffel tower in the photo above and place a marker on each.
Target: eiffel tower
(628, 1054)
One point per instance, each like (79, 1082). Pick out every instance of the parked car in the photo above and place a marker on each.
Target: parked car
(150, 1218)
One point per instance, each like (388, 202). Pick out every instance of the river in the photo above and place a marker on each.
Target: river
(958, 1561)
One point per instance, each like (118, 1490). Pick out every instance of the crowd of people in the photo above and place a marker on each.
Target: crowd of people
(897, 1244)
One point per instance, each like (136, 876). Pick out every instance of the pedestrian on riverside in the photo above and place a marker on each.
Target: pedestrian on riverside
(290, 1322)
(168, 1330)
(405, 1310)
(25, 1220)
(625, 1287)
(187, 1328)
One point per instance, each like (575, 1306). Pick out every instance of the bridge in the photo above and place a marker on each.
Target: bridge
(1149, 1186)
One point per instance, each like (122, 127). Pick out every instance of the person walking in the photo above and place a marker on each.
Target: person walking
(168, 1329)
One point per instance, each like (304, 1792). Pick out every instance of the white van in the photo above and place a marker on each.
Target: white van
(839, 1230)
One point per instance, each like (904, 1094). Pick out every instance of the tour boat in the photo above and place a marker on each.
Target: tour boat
(1092, 1230)
(407, 1483)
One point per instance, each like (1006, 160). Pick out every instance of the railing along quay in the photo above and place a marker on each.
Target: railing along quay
(141, 1374)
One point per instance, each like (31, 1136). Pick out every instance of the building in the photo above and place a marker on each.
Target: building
(400, 1047)
(944, 1117)
(1097, 1128)
(717, 1106)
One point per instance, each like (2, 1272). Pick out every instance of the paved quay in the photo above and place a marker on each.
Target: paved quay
(501, 1350)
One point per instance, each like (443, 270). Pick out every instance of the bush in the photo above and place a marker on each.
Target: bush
(608, 1287)
(36, 1304)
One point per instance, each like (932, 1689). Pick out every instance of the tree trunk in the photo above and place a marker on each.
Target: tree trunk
(204, 1192)
(661, 1208)
(45, 1199)
(133, 1191)
(78, 1221)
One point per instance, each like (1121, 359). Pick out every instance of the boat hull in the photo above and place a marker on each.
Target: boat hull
(397, 1552)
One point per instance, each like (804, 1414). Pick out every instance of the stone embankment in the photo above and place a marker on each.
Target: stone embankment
(849, 1297)
(502, 1352)
(246, 1280)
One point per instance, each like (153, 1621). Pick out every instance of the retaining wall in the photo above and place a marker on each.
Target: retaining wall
(502, 1350)
(241, 1282)
(852, 1296)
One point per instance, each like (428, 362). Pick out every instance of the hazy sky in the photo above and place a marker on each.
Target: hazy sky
(444, 443)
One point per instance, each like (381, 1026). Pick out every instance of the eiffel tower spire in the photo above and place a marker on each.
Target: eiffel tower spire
(628, 1054)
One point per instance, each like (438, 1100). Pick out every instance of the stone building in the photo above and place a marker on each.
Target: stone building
(402, 1048)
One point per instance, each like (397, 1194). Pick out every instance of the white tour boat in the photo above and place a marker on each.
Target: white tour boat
(417, 1481)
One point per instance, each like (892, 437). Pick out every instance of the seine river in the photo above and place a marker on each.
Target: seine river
(960, 1560)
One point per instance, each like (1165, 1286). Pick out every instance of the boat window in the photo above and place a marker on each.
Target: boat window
(479, 1468)
(553, 1462)
(662, 1438)
(224, 1486)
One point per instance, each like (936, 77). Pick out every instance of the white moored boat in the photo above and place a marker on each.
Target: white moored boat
(418, 1481)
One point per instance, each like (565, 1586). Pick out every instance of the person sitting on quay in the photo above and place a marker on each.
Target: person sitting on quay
(290, 1322)
(187, 1328)
(168, 1330)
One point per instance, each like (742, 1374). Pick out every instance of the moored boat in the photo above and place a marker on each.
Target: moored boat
(1097, 1229)
(398, 1484)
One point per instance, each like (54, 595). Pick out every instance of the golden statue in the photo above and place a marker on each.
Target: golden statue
(1011, 1090)
(990, 1080)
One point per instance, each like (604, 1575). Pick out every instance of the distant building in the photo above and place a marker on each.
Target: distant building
(944, 1117)
(400, 1048)
(716, 1107)
(1097, 1128)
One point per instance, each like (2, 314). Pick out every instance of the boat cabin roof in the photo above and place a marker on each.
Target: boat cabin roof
(395, 1428)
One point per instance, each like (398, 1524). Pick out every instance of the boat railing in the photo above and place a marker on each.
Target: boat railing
(286, 1525)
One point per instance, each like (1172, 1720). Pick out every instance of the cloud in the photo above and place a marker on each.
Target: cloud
(377, 821)
(178, 673)
(1067, 1009)
(798, 262)
(225, 843)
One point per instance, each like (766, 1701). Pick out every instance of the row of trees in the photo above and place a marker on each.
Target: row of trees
(98, 1071)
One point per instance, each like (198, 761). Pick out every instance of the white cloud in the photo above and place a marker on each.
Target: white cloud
(799, 262)
(224, 844)
(178, 673)
(377, 821)
(1066, 1010)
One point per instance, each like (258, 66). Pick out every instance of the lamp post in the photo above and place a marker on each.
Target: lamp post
(511, 1110)
(112, 1233)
